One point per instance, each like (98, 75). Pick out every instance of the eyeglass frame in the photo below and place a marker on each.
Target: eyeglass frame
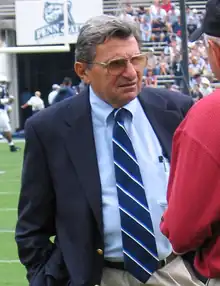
(106, 64)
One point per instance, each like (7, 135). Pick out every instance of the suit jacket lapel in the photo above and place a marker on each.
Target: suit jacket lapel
(163, 121)
(80, 145)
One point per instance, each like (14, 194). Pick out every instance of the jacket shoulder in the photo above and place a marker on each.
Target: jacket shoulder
(173, 100)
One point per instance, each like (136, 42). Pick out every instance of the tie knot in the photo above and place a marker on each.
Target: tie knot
(120, 114)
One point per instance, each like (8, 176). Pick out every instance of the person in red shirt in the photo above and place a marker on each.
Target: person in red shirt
(191, 221)
(166, 5)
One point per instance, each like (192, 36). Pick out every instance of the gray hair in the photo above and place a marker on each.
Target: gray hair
(96, 30)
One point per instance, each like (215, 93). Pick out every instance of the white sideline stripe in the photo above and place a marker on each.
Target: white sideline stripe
(14, 140)
(2, 172)
(8, 209)
(9, 193)
(7, 231)
(14, 180)
(9, 261)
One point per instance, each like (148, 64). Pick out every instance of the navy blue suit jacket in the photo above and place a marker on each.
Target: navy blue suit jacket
(61, 190)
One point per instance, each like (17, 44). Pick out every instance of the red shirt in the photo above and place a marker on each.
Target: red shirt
(192, 219)
(166, 7)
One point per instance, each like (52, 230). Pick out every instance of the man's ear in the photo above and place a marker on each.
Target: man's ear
(81, 70)
(214, 57)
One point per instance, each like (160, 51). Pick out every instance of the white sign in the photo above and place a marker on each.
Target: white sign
(41, 22)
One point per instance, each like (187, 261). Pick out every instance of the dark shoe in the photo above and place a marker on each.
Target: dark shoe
(14, 148)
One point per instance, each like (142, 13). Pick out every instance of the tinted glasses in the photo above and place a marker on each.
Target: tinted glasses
(118, 66)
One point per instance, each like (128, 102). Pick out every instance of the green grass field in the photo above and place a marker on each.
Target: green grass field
(12, 273)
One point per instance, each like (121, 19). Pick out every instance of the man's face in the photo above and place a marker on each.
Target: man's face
(120, 89)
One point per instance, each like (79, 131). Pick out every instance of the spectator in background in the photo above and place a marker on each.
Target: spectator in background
(195, 87)
(147, 15)
(189, 13)
(194, 67)
(205, 87)
(146, 30)
(207, 71)
(154, 8)
(141, 12)
(151, 79)
(196, 17)
(125, 16)
(166, 5)
(173, 48)
(129, 9)
(191, 25)
(172, 15)
(196, 80)
(201, 49)
(35, 102)
(158, 29)
(163, 63)
(152, 62)
(177, 27)
(53, 93)
(177, 69)
(65, 90)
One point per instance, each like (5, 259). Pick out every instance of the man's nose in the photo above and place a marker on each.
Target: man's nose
(129, 71)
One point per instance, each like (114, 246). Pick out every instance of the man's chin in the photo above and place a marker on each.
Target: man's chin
(125, 98)
(130, 93)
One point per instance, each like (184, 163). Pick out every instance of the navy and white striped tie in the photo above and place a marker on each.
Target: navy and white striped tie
(139, 246)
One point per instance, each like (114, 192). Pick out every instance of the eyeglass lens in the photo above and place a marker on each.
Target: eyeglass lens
(117, 66)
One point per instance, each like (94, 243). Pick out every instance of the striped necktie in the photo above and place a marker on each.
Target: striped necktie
(139, 246)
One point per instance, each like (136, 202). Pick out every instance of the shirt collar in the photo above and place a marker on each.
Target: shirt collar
(103, 110)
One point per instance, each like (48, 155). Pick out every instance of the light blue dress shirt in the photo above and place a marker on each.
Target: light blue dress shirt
(154, 173)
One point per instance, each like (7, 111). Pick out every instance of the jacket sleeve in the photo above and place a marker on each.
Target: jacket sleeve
(35, 223)
(193, 195)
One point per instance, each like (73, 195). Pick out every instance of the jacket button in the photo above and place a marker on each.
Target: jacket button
(99, 251)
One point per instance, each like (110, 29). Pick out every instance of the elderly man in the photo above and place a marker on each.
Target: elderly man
(95, 172)
(192, 219)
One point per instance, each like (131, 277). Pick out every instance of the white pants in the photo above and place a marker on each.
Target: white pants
(4, 121)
